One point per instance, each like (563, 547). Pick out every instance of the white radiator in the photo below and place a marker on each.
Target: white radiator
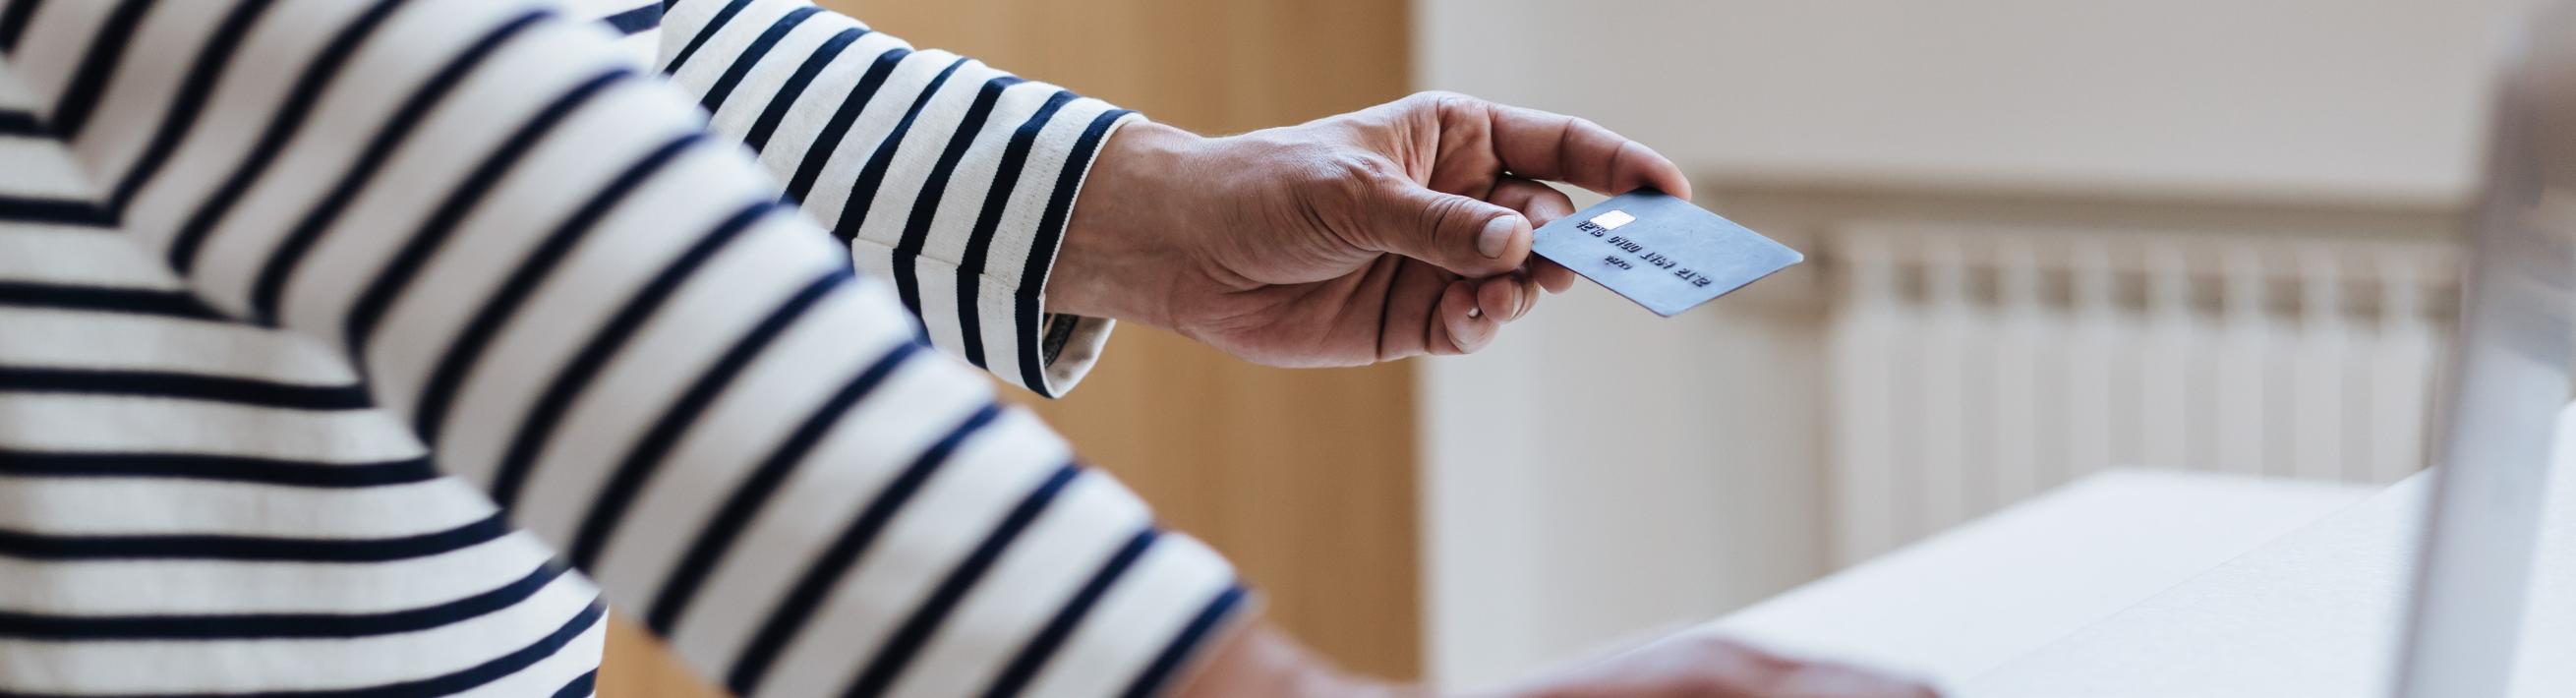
(1973, 368)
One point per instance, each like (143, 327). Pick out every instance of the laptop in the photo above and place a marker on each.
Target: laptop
(2508, 380)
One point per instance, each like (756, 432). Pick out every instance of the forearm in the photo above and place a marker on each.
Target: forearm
(950, 178)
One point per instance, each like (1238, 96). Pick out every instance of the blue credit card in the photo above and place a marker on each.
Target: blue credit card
(1661, 251)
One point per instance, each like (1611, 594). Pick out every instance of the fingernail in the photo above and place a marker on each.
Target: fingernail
(1496, 236)
(1475, 312)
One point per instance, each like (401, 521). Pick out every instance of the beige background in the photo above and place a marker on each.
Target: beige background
(2225, 119)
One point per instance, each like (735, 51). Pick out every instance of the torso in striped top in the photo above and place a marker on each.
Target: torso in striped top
(336, 334)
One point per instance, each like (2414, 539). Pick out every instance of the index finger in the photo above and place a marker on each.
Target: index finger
(1544, 145)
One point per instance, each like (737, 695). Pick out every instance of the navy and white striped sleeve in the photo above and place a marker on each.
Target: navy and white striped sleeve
(541, 262)
(947, 176)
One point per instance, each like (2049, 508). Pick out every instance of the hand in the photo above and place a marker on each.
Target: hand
(1396, 231)
(1706, 666)
(1260, 662)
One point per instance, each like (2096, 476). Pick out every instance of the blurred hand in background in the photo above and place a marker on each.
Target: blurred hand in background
(1259, 661)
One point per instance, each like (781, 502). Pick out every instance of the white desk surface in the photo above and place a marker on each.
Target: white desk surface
(1975, 597)
(2160, 584)
(2316, 613)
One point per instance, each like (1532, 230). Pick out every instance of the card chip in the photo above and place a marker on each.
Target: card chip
(1612, 220)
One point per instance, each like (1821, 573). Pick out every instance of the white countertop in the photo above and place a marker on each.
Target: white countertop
(2315, 613)
(2159, 583)
(1975, 597)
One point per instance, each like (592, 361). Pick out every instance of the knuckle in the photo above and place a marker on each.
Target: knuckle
(1451, 209)
(1433, 96)
(1365, 169)
(1340, 177)
(1443, 101)
(1453, 216)
(1369, 188)
(1355, 195)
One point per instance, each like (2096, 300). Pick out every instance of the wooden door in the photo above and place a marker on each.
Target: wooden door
(1304, 478)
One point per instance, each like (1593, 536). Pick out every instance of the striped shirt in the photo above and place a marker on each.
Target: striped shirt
(374, 347)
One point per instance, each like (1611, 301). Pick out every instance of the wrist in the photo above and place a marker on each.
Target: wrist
(1117, 257)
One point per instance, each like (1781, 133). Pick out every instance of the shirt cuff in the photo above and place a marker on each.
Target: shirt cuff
(978, 282)
(1053, 351)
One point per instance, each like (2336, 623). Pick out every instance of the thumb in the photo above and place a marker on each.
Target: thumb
(1466, 236)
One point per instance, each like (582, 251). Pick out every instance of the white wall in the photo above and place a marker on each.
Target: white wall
(1598, 471)
(2287, 97)
(1602, 471)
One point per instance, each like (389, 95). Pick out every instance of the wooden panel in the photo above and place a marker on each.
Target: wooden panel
(1304, 478)
(638, 666)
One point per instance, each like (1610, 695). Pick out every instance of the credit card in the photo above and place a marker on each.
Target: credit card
(1661, 251)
